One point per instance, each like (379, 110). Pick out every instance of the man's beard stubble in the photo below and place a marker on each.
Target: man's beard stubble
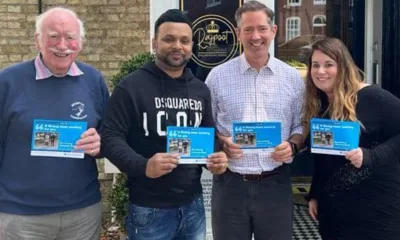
(165, 59)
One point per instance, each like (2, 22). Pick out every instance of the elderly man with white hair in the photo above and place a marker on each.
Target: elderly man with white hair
(51, 192)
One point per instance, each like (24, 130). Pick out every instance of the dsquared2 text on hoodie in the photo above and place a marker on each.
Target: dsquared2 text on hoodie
(182, 104)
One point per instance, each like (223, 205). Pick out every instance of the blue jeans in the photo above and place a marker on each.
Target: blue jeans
(187, 222)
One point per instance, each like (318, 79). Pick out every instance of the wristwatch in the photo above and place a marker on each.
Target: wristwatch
(295, 149)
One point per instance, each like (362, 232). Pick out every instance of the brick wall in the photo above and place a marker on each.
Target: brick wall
(115, 30)
(106, 181)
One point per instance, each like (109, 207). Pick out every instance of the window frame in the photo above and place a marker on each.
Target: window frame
(319, 24)
(290, 29)
(319, 2)
(292, 4)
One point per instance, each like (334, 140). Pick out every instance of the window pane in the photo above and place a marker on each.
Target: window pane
(294, 2)
(300, 23)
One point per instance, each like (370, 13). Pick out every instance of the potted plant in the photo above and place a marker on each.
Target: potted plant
(300, 66)
(131, 65)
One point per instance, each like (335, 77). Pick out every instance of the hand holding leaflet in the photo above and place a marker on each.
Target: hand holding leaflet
(333, 137)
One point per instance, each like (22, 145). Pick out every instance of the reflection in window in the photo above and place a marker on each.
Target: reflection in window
(300, 27)
(292, 28)
(212, 3)
(319, 21)
(184, 7)
(294, 2)
(319, 2)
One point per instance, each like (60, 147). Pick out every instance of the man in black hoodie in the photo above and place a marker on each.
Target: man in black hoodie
(166, 199)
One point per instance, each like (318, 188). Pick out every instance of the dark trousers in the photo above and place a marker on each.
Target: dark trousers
(243, 208)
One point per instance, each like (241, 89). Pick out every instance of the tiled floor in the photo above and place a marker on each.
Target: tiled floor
(304, 228)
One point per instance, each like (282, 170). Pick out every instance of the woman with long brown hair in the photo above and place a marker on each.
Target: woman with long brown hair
(356, 196)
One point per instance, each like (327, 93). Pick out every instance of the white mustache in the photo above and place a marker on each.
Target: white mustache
(68, 51)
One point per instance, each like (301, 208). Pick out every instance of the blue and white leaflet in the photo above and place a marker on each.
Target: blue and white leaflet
(51, 138)
(333, 137)
(192, 144)
(255, 137)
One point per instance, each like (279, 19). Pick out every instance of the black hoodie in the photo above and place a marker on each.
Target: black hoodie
(134, 130)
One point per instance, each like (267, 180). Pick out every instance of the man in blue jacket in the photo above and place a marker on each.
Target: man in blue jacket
(51, 192)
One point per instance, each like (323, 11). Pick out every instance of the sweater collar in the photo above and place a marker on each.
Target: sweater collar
(42, 72)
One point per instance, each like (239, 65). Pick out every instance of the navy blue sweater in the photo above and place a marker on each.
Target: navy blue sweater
(45, 185)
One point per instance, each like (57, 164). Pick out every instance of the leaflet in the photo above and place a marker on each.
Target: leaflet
(51, 138)
(193, 144)
(255, 137)
(333, 137)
